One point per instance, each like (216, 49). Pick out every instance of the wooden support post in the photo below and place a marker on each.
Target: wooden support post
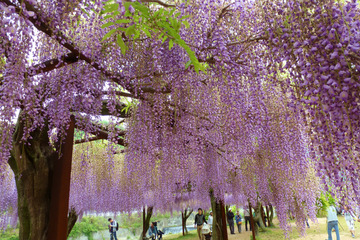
(144, 224)
(183, 222)
(60, 188)
(252, 224)
(223, 218)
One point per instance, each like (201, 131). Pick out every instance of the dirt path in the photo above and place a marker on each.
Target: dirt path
(317, 231)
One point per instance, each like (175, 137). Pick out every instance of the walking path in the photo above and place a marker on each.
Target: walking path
(317, 231)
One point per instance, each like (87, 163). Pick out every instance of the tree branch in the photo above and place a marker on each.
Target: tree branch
(52, 64)
(100, 132)
(43, 26)
(159, 2)
(119, 93)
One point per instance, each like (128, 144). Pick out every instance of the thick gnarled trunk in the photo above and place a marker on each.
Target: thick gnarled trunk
(257, 219)
(72, 218)
(271, 216)
(219, 230)
(146, 221)
(32, 164)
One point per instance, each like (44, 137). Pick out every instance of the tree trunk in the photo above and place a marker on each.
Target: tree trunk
(219, 219)
(146, 221)
(183, 222)
(72, 218)
(258, 218)
(184, 216)
(271, 217)
(268, 216)
(32, 164)
(254, 230)
(262, 215)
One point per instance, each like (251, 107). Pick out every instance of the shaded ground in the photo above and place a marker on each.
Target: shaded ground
(317, 231)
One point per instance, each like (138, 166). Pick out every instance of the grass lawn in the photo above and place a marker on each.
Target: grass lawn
(317, 231)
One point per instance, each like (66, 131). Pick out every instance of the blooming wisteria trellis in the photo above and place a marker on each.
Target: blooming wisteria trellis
(278, 98)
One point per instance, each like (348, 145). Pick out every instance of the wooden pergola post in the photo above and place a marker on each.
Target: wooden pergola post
(252, 224)
(223, 218)
(60, 188)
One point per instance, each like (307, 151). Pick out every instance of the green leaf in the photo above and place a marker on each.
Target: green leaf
(84, 11)
(136, 34)
(141, 8)
(121, 29)
(107, 24)
(112, 15)
(171, 44)
(185, 16)
(186, 23)
(164, 39)
(110, 8)
(187, 64)
(121, 44)
(130, 30)
(146, 32)
(123, 21)
(172, 11)
(126, 109)
(107, 35)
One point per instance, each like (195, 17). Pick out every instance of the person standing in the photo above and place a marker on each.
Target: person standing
(230, 217)
(153, 231)
(307, 222)
(210, 220)
(349, 218)
(332, 222)
(112, 228)
(199, 223)
(247, 218)
(238, 220)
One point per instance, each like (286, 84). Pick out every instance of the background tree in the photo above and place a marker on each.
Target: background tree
(184, 216)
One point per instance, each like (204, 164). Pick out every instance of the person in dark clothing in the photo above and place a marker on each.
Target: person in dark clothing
(152, 232)
(230, 217)
(112, 229)
(199, 223)
(159, 232)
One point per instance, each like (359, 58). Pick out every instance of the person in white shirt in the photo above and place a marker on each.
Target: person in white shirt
(349, 218)
(210, 220)
(332, 222)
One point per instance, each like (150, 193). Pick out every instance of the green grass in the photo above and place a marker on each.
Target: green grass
(9, 234)
(178, 236)
(88, 225)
